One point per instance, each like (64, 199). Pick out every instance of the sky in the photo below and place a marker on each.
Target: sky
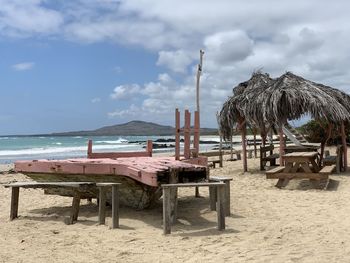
(83, 64)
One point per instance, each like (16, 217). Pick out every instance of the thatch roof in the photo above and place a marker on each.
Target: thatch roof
(265, 101)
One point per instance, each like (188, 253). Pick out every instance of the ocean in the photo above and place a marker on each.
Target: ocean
(51, 147)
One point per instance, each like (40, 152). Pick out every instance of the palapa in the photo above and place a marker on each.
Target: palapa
(264, 102)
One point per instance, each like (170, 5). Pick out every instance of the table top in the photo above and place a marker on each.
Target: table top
(301, 154)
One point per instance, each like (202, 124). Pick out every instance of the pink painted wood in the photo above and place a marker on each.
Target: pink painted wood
(177, 134)
(92, 155)
(187, 135)
(142, 169)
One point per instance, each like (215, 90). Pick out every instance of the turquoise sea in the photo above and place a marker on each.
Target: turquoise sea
(51, 147)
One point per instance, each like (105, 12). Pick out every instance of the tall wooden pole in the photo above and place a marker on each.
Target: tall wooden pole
(280, 132)
(244, 145)
(197, 134)
(199, 72)
(345, 148)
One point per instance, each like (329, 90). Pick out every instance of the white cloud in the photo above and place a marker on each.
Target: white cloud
(177, 61)
(25, 18)
(23, 66)
(125, 91)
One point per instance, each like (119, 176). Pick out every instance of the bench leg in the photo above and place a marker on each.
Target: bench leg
(196, 194)
(282, 183)
(166, 211)
(227, 198)
(102, 206)
(14, 203)
(212, 197)
(220, 209)
(115, 207)
(75, 208)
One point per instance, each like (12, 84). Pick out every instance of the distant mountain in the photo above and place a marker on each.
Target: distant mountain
(132, 128)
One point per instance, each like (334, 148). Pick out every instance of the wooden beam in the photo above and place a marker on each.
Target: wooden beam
(345, 148)
(75, 207)
(89, 150)
(14, 203)
(196, 132)
(115, 206)
(166, 211)
(102, 206)
(244, 145)
(177, 134)
(220, 207)
(149, 148)
(187, 135)
(280, 133)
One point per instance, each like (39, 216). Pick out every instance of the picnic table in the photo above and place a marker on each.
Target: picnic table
(300, 165)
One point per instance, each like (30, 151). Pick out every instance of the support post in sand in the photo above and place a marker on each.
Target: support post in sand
(243, 128)
(280, 133)
(187, 135)
(177, 134)
(345, 148)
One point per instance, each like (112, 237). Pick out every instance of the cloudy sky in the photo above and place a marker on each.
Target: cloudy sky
(83, 64)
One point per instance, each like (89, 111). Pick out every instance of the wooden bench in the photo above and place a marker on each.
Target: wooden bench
(213, 193)
(335, 159)
(267, 158)
(169, 203)
(78, 188)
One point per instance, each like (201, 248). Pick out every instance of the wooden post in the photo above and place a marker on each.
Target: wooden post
(220, 209)
(345, 148)
(196, 132)
(102, 205)
(177, 134)
(173, 179)
(255, 150)
(220, 151)
(75, 207)
(187, 135)
(166, 211)
(89, 150)
(227, 198)
(280, 132)
(115, 206)
(149, 147)
(14, 203)
(212, 197)
(244, 146)
(231, 148)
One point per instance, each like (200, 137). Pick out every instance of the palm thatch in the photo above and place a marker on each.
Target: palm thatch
(262, 100)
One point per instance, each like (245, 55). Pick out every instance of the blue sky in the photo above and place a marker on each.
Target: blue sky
(79, 65)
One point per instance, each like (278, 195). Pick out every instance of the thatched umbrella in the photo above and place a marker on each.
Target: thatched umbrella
(263, 100)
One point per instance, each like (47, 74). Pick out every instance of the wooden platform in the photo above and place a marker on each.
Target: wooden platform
(147, 170)
(140, 177)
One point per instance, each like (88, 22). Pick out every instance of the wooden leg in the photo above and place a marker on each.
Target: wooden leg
(174, 178)
(212, 197)
(227, 198)
(197, 192)
(166, 211)
(14, 203)
(75, 208)
(282, 183)
(115, 207)
(220, 209)
(102, 206)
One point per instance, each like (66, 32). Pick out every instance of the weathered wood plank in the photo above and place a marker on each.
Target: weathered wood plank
(166, 211)
(115, 206)
(102, 206)
(220, 208)
(191, 185)
(75, 208)
(14, 203)
(296, 176)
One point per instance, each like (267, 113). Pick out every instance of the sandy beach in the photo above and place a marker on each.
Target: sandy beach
(295, 224)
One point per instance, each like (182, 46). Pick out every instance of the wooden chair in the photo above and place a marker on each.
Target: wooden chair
(335, 159)
(271, 157)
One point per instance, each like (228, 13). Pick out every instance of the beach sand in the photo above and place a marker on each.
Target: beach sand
(296, 224)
